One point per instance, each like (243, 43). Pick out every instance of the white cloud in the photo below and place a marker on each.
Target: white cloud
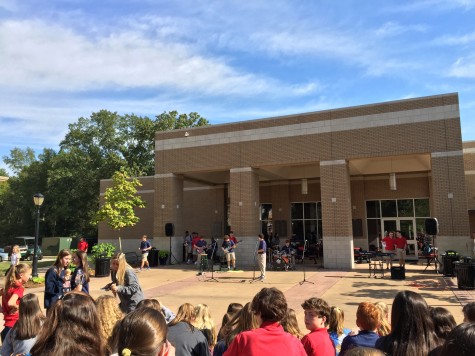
(37, 56)
(464, 67)
(394, 29)
(456, 40)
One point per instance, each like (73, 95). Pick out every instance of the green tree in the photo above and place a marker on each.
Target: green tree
(120, 202)
(19, 159)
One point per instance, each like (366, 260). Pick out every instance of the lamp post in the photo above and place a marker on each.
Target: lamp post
(38, 199)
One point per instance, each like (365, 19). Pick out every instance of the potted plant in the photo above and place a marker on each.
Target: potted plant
(163, 256)
(102, 254)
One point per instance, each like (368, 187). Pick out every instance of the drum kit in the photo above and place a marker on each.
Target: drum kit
(282, 260)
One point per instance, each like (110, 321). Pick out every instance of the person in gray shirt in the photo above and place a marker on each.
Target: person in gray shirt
(187, 340)
(125, 283)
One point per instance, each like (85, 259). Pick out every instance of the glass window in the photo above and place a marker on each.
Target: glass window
(319, 210)
(372, 209)
(310, 210)
(422, 207)
(296, 211)
(266, 212)
(298, 230)
(405, 208)
(388, 208)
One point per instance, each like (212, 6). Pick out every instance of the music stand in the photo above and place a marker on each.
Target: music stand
(303, 265)
(214, 247)
(171, 253)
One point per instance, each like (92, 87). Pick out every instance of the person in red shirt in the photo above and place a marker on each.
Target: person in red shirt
(82, 244)
(401, 244)
(317, 317)
(270, 307)
(12, 293)
(388, 247)
(195, 238)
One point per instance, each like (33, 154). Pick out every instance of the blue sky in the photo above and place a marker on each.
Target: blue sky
(226, 60)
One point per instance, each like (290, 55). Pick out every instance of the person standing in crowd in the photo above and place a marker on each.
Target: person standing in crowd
(187, 243)
(261, 256)
(270, 308)
(12, 294)
(125, 283)
(54, 278)
(460, 341)
(317, 316)
(21, 338)
(232, 237)
(412, 329)
(71, 328)
(401, 244)
(15, 257)
(157, 305)
(228, 249)
(388, 247)
(469, 312)
(80, 277)
(109, 315)
(145, 247)
(82, 244)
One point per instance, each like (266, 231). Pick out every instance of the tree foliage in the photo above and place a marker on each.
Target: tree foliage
(93, 149)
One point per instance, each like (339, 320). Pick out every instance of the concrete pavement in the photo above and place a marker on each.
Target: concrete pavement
(177, 284)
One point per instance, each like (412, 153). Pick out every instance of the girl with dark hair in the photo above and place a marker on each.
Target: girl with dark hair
(143, 332)
(54, 278)
(187, 339)
(16, 277)
(460, 341)
(22, 336)
(443, 320)
(233, 309)
(71, 328)
(125, 283)
(412, 329)
(80, 276)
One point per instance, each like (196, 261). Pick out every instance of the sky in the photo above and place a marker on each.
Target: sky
(227, 60)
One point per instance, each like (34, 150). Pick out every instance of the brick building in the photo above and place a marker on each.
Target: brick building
(343, 176)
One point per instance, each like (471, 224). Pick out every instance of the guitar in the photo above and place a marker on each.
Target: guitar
(200, 250)
(226, 250)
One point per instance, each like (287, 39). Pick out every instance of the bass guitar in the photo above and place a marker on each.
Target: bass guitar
(226, 250)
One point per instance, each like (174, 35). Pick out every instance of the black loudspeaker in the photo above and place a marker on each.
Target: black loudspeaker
(169, 229)
(432, 226)
(398, 272)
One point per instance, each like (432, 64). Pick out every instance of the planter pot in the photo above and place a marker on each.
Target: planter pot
(103, 267)
(163, 260)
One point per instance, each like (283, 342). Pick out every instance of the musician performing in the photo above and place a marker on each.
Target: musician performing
(200, 247)
(228, 247)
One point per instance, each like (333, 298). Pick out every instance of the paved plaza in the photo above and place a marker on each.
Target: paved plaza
(177, 284)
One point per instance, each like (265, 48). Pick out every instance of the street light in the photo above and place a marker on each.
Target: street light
(38, 199)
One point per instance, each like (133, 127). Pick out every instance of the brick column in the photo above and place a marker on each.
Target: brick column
(244, 211)
(449, 202)
(336, 215)
(168, 209)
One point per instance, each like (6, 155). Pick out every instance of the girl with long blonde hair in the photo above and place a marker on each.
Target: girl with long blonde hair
(335, 327)
(384, 326)
(109, 314)
(291, 325)
(204, 322)
(125, 283)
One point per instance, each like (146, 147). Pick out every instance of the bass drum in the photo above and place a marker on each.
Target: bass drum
(278, 263)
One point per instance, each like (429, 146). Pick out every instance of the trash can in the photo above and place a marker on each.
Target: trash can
(153, 257)
(103, 267)
(448, 259)
(465, 270)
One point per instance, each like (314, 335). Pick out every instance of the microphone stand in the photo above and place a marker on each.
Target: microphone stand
(255, 261)
(214, 246)
(303, 264)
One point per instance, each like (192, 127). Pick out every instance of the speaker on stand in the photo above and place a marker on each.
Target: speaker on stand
(170, 231)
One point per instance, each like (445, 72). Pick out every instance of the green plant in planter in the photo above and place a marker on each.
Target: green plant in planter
(103, 250)
(163, 254)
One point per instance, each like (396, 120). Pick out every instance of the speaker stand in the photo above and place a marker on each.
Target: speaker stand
(172, 257)
(214, 246)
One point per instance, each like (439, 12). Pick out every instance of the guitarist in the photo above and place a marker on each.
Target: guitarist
(228, 247)
(200, 247)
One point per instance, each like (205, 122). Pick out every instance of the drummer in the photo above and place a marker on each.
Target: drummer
(289, 251)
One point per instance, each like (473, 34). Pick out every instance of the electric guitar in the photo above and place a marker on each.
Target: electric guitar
(226, 250)
(200, 250)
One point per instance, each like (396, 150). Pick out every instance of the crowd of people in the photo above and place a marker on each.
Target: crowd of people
(127, 324)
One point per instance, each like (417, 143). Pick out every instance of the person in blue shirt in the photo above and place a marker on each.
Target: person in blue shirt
(145, 247)
(228, 249)
(367, 319)
(261, 256)
(80, 277)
